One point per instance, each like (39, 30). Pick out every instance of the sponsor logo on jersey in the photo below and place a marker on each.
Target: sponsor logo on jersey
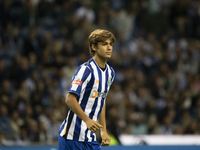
(95, 94)
(96, 81)
(77, 82)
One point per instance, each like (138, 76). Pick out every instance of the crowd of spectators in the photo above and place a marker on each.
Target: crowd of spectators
(156, 59)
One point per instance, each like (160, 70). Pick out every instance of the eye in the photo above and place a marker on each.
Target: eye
(104, 43)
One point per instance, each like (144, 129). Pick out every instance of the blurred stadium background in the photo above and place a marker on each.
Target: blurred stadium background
(156, 59)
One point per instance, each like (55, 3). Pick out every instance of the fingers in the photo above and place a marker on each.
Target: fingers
(105, 143)
(100, 126)
(95, 127)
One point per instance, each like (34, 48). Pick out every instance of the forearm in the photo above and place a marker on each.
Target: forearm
(104, 135)
(75, 107)
(102, 119)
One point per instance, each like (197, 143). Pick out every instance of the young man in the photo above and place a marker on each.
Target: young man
(86, 97)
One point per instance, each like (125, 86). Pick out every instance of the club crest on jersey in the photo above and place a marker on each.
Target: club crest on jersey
(109, 81)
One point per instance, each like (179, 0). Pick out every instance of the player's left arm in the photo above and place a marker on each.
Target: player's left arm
(103, 131)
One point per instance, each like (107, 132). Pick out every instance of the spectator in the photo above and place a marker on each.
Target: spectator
(23, 139)
(5, 126)
(33, 131)
(16, 123)
(55, 125)
(6, 89)
(138, 127)
(85, 11)
(3, 71)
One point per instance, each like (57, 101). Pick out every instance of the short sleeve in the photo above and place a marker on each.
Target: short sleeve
(80, 80)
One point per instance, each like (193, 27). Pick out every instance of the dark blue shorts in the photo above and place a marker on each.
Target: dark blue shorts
(64, 144)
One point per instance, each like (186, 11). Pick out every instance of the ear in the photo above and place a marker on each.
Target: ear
(94, 47)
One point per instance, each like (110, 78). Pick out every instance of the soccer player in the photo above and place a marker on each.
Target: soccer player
(86, 97)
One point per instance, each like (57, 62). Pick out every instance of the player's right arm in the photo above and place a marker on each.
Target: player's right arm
(72, 103)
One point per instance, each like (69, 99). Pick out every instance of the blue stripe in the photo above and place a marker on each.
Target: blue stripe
(92, 135)
(71, 115)
(83, 106)
(106, 84)
(86, 138)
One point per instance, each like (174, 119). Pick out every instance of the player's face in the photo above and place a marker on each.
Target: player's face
(104, 49)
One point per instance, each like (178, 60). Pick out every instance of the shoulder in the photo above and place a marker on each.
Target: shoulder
(85, 68)
(111, 69)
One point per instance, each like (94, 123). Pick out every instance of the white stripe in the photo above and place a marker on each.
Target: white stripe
(95, 138)
(74, 87)
(109, 75)
(103, 74)
(89, 137)
(82, 132)
(71, 129)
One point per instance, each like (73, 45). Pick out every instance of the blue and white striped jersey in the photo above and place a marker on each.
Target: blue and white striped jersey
(91, 84)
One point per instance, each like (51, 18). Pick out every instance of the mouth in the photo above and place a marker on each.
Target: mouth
(108, 53)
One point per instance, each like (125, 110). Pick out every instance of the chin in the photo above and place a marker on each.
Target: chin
(108, 57)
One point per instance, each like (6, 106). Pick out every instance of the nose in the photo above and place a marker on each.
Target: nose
(109, 47)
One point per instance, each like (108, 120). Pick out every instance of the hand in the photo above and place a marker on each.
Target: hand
(105, 139)
(93, 125)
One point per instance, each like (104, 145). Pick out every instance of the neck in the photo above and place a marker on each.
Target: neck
(100, 62)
